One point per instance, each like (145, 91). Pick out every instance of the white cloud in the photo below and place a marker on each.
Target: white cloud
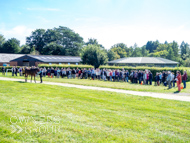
(19, 32)
(113, 34)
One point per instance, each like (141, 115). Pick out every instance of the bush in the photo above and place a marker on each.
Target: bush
(64, 66)
(154, 70)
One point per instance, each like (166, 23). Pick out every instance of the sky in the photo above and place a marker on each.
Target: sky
(108, 21)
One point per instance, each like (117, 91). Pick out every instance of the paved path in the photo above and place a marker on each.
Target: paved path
(150, 94)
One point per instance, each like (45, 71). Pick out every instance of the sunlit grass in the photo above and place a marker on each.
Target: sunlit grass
(89, 116)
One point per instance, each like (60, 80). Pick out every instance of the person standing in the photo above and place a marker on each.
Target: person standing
(48, 72)
(157, 79)
(173, 79)
(147, 77)
(126, 76)
(16, 71)
(41, 74)
(58, 73)
(144, 77)
(13, 71)
(20, 71)
(73, 73)
(113, 75)
(169, 79)
(52, 72)
(150, 78)
(184, 79)
(44, 72)
(3, 70)
(139, 76)
(178, 79)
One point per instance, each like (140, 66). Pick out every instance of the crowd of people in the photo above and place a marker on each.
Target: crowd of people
(145, 77)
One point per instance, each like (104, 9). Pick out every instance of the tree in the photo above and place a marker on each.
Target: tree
(170, 55)
(25, 49)
(111, 55)
(175, 48)
(144, 51)
(34, 51)
(70, 41)
(53, 49)
(137, 52)
(2, 41)
(36, 40)
(92, 41)
(11, 46)
(94, 55)
(151, 46)
(184, 50)
(120, 50)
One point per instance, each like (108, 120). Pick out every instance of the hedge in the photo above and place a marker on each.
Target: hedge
(64, 66)
(154, 70)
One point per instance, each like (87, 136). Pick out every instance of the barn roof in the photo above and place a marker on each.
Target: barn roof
(142, 60)
(57, 59)
(51, 58)
(5, 58)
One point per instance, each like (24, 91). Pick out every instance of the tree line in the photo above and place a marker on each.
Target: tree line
(64, 41)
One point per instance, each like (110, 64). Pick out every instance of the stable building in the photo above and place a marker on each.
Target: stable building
(144, 61)
(34, 60)
(6, 58)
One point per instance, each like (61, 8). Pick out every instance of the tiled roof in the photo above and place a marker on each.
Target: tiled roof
(143, 60)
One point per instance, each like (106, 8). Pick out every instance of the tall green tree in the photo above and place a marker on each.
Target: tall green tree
(120, 49)
(94, 55)
(92, 41)
(11, 46)
(137, 52)
(184, 50)
(53, 49)
(71, 42)
(175, 48)
(151, 46)
(2, 41)
(144, 51)
(111, 55)
(36, 40)
(25, 49)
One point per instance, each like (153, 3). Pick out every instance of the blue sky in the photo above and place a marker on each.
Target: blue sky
(108, 21)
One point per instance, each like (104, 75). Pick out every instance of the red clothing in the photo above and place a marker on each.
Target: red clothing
(110, 73)
(184, 77)
(179, 82)
(179, 78)
(147, 76)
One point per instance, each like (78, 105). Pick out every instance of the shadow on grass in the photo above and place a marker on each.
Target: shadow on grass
(21, 81)
(176, 92)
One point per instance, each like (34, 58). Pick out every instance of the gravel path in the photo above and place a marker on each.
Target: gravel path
(178, 97)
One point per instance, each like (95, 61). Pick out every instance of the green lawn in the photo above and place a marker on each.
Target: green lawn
(116, 85)
(78, 115)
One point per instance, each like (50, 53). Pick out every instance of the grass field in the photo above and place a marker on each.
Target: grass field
(47, 113)
(116, 85)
